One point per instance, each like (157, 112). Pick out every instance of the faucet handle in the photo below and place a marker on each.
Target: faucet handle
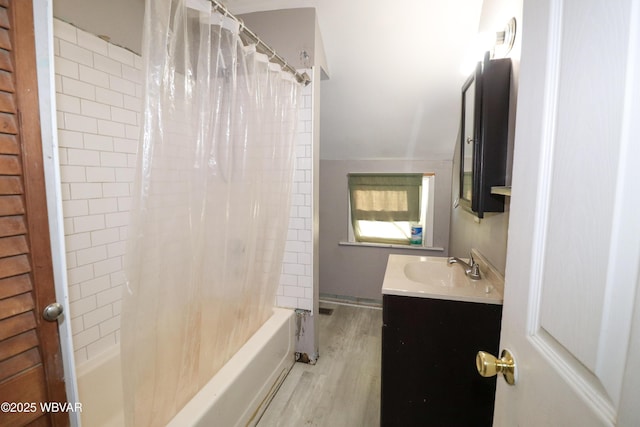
(471, 260)
(474, 272)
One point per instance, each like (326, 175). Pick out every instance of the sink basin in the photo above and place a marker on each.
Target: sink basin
(434, 277)
(435, 271)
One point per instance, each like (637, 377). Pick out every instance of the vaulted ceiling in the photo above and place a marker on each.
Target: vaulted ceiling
(395, 76)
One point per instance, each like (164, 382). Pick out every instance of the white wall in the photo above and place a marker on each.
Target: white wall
(291, 32)
(120, 20)
(394, 77)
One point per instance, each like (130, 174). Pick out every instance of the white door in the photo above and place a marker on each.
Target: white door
(572, 306)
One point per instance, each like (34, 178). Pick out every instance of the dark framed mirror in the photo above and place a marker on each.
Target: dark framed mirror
(484, 133)
(469, 134)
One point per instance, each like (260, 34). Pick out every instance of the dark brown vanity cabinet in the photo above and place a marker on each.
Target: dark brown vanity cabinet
(484, 135)
(429, 375)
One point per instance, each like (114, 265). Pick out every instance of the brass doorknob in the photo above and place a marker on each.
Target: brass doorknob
(488, 365)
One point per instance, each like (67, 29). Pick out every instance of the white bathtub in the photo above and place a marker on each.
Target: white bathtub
(236, 396)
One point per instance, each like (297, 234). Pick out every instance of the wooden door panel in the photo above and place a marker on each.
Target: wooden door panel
(30, 361)
(21, 362)
(17, 344)
(6, 65)
(8, 123)
(11, 205)
(12, 226)
(13, 266)
(16, 305)
(6, 82)
(15, 285)
(4, 18)
(6, 100)
(13, 246)
(17, 324)
(10, 184)
(4, 39)
(8, 143)
(28, 387)
(10, 165)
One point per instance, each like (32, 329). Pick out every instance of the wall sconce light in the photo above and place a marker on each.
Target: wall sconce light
(505, 39)
(498, 44)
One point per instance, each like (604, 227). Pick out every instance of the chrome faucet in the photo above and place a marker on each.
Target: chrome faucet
(472, 269)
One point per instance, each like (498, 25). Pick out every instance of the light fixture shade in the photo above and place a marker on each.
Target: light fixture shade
(505, 40)
(498, 44)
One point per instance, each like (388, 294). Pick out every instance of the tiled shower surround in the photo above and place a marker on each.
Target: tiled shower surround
(99, 89)
(98, 101)
(296, 282)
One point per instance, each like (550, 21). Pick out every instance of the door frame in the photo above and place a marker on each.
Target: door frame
(43, 27)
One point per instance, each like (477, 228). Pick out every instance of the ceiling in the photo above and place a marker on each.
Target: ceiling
(394, 86)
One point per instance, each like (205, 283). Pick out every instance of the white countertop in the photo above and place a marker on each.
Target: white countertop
(433, 277)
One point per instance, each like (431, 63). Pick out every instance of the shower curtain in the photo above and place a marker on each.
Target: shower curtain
(210, 206)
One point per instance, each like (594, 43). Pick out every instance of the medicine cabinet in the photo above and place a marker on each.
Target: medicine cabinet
(484, 133)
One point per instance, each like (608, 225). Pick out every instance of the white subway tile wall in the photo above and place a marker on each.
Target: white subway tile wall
(98, 103)
(296, 281)
(99, 89)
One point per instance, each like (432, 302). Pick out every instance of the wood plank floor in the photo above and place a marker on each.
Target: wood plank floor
(343, 387)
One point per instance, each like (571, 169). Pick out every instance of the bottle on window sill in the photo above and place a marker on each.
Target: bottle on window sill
(416, 234)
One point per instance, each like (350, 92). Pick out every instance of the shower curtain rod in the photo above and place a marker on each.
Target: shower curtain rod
(265, 48)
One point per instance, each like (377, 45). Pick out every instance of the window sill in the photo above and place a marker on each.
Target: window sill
(393, 246)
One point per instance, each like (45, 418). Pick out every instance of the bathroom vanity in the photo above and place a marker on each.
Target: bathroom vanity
(435, 320)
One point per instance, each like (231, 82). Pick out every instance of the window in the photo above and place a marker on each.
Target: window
(383, 207)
